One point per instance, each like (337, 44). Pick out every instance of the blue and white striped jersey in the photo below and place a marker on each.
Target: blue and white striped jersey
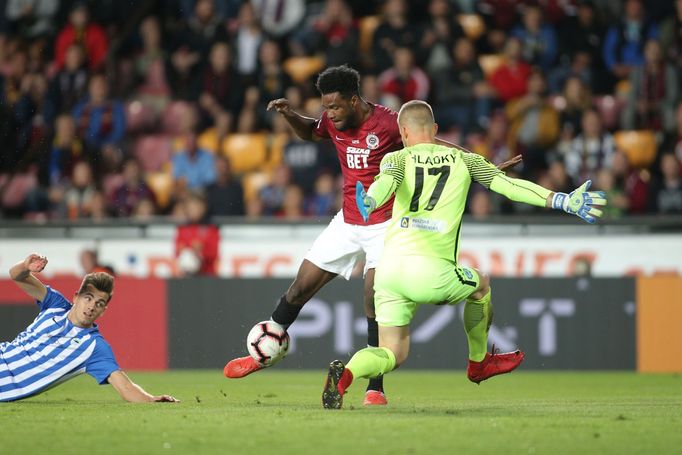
(52, 350)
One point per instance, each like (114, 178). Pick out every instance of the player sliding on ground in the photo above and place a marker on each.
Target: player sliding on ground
(63, 341)
(363, 133)
(419, 260)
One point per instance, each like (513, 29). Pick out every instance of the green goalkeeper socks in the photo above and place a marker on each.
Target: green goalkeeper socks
(477, 318)
(371, 362)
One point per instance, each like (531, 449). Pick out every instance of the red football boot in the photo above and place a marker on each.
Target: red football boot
(243, 366)
(494, 364)
(338, 380)
(375, 398)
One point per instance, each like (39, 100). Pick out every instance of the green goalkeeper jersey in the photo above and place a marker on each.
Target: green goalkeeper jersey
(431, 183)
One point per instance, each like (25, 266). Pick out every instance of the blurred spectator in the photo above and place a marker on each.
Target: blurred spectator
(499, 14)
(77, 201)
(534, 125)
(133, 189)
(323, 201)
(80, 30)
(69, 85)
(279, 17)
(580, 67)
(577, 100)
(616, 194)
(66, 150)
(538, 40)
(292, 203)
(495, 146)
(666, 191)
(439, 37)
(10, 120)
(673, 138)
(225, 196)
(271, 196)
(461, 96)
(196, 241)
(99, 119)
(590, 151)
(272, 80)
(90, 263)
(247, 39)
(624, 41)
(671, 37)
(32, 129)
(193, 167)
(633, 183)
(479, 204)
(221, 92)
(510, 80)
(149, 67)
(404, 80)
(32, 18)
(307, 160)
(144, 211)
(394, 31)
(653, 92)
(335, 34)
(557, 179)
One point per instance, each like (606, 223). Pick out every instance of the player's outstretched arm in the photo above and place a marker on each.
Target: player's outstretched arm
(22, 274)
(133, 393)
(302, 126)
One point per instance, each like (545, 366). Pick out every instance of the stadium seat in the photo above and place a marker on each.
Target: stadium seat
(490, 62)
(246, 152)
(208, 140)
(253, 182)
(161, 183)
(301, 68)
(110, 183)
(366, 27)
(609, 108)
(638, 146)
(276, 143)
(472, 24)
(139, 117)
(153, 152)
(14, 193)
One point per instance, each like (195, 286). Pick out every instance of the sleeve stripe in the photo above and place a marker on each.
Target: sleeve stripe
(480, 169)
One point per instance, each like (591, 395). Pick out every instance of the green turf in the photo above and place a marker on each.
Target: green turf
(279, 412)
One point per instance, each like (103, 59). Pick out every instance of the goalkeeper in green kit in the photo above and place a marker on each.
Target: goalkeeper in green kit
(419, 260)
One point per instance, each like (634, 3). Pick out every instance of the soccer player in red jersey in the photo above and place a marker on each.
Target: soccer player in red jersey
(363, 133)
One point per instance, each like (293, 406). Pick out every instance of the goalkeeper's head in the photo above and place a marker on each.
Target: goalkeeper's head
(340, 90)
(416, 123)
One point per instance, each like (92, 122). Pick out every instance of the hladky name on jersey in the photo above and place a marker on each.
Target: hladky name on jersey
(433, 160)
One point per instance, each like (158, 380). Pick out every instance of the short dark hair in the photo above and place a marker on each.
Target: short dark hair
(342, 79)
(101, 281)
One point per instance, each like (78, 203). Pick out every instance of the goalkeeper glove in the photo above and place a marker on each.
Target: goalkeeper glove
(366, 204)
(580, 202)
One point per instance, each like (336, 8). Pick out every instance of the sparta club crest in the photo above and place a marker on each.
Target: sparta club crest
(372, 141)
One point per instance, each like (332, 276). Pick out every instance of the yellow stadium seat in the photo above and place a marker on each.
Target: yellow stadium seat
(246, 152)
(161, 184)
(639, 146)
(276, 143)
(472, 24)
(367, 26)
(253, 182)
(301, 68)
(489, 63)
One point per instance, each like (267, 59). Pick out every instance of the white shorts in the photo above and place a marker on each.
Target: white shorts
(341, 245)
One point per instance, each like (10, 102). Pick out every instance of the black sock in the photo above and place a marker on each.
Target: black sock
(373, 341)
(285, 314)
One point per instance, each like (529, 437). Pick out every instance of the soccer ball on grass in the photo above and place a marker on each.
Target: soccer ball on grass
(268, 343)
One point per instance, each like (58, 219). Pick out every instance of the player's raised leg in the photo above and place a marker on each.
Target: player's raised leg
(478, 316)
(374, 395)
(370, 362)
(309, 279)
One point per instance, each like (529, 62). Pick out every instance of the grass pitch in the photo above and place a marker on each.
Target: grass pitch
(279, 412)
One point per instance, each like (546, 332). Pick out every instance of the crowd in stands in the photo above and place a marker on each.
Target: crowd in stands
(140, 109)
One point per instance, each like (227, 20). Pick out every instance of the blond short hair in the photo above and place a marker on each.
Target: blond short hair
(417, 113)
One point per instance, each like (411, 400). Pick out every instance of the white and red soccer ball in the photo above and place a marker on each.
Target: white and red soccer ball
(268, 343)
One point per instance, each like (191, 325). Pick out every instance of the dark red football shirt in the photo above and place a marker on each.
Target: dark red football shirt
(360, 152)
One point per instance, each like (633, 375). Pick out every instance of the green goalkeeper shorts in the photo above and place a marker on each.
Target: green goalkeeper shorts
(402, 283)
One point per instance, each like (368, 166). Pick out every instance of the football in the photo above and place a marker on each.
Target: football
(268, 343)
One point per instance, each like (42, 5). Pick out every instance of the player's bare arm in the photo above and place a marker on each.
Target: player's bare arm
(502, 166)
(133, 393)
(22, 274)
(302, 126)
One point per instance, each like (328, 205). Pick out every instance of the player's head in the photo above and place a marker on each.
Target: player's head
(340, 90)
(92, 298)
(416, 122)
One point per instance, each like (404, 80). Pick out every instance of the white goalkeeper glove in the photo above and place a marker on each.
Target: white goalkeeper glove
(580, 202)
(366, 204)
